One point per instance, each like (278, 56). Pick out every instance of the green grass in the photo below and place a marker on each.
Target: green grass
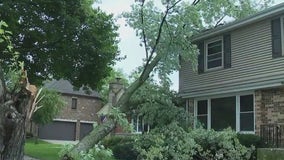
(43, 150)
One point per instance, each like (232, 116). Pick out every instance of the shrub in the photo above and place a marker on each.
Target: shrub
(121, 146)
(169, 142)
(220, 145)
(172, 142)
(250, 139)
(98, 152)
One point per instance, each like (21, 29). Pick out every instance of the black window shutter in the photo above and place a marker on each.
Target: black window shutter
(200, 46)
(276, 38)
(227, 50)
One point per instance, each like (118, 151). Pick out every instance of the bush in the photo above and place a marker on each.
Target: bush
(98, 152)
(250, 139)
(121, 146)
(220, 145)
(172, 142)
(169, 142)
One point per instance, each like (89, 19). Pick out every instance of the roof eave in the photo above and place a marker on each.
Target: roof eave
(270, 12)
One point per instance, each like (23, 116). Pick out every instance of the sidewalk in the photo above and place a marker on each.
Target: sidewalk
(60, 141)
(29, 158)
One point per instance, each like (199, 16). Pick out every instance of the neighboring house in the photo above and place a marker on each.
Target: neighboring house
(77, 118)
(240, 77)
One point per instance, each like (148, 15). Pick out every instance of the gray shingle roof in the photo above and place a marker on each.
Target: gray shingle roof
(64, 86)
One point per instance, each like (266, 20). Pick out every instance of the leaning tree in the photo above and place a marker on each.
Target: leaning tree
(166, 36)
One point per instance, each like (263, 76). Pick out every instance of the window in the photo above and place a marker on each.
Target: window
(246, 113)
(138, 124)
(74, 103)
(236, 112)
(202, 111)
(214, 54)
(223, 113)
(277, 37)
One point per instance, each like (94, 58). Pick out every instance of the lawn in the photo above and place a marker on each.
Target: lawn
(43, 150)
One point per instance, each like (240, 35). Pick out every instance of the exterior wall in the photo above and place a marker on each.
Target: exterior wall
(269, 107)
(87, 107)
(252, 66)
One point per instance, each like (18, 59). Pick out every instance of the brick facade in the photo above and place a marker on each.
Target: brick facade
(87, 107)
(269, 107)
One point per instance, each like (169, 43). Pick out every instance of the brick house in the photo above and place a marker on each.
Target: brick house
(76, 119)
(240, 78)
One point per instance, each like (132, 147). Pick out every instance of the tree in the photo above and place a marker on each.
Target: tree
(62, 39)
(51, 39)
(46, 106)
(16, 95)
(166, 36)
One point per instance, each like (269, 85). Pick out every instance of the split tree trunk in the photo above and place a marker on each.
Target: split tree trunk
(14, 108)
(12, 127)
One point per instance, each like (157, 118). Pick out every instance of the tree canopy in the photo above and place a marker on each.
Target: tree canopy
(166, 31)
(62, 39)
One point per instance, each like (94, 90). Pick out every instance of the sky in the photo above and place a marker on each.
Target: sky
(129, 43)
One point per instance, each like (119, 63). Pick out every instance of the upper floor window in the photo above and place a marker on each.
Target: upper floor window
(214, 54)
(74, 103)
(277, 37)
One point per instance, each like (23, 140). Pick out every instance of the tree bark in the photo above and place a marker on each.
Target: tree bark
(14, 108)
(89, 141)
(12, 127)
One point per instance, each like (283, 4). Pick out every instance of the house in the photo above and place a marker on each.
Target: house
(240, 77)
(77, 118)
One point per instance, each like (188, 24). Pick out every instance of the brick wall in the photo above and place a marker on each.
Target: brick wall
(269, 107)
(87, 107)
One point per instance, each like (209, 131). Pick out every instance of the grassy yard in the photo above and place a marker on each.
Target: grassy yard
(43, 150)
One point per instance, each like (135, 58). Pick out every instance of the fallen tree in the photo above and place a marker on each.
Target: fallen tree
(166, 36)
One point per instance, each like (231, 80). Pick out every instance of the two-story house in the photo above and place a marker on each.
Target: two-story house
(76, 119)
(240, 77)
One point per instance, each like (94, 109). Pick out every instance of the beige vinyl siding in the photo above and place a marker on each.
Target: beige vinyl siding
(252, 66)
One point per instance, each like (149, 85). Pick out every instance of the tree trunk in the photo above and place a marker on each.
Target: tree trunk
(12, 127)
(97, 134)
(103, 130)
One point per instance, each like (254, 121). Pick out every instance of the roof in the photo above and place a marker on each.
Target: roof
(64, 86)
(267, 13)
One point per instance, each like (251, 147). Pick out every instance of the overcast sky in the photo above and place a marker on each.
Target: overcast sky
(129, 43)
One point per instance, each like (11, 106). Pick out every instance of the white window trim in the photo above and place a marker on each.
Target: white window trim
(248, 132)
(136, 131)
(206, 53)
(237, 95)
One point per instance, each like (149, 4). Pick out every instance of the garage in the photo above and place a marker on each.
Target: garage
(85, 128)
(58, 130)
